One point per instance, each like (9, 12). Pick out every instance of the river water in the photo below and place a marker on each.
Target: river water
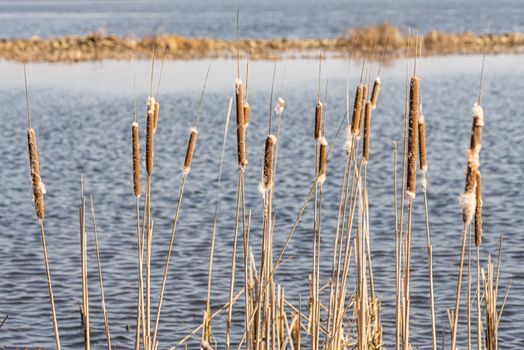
(267, 19)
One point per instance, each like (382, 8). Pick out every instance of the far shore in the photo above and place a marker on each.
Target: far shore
(374, 42)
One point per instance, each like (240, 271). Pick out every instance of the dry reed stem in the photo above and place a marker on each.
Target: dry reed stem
(478, 211)
(150, 134)
(412, 138)
(357, 106)
(99, 266)
(36, 181)
(375, 92)
(136, 160)
(85, 292)
(318, 121)
(241, 132)
(367, 128)
(190, 149)
(457, 296)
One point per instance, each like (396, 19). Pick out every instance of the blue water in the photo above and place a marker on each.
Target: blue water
(259, 19)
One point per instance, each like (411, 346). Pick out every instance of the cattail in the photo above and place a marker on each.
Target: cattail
(478, 212)
(318, 121)
(241, 131)
(155, 119)
(267, 180)
(412, 138)
(246, 115)
(422, 144)
(37, 184)
(362, 110)
(149, 134)
(367, 128)
(374, 92)
(322, 157)
(469, 197)
(136, 160)
(356, 111)
(190, 150)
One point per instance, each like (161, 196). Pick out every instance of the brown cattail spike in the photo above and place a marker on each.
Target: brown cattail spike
(246, 115)
(318, 121)
(37, 184)
(357, 106)
(267, 180)
(136, 160)
(362, 110)
(322, 157)
(241, 132)
(190, 150)
(469, 199)
(478, 212)
(155, 119)
(374, 92)
(149, 134)
(367, 128)
(412, 138)
(422, 144)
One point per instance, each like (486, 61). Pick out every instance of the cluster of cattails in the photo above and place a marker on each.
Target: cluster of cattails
(469, 198)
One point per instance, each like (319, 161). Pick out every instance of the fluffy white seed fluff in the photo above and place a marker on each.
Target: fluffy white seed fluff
(421, 119)
(150, 104)
(411, 195)
(349, 141)
(478, 112)
(238, 85)
(321, 179)
(193, 130)
(424, 183)
(469, 202)
(280, 105)
(322, 141)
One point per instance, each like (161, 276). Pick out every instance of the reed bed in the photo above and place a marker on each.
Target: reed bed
(342, 311)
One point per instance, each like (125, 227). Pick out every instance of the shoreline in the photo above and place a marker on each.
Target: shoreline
(369, 42)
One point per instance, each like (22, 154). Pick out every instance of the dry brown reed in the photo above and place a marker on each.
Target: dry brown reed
(412, 138)
(36, 181)
(367, 128)
(241, 132)
(478, 211)
(190, 149)
(136, 160)
(375, 92)
(318, 121)
(150, 134)
(357, 107)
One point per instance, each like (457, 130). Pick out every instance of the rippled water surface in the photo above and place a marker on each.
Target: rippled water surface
(268, 18)
(83, 113)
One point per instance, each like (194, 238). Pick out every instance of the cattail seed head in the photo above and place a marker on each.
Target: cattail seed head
(267, 176)
(36, 181)
(246, 115)
(362, 110)
(155, 119)
(412, 138)
(357, 106)
(318, 121)
(190, 149)
(322, 157)
(136, 160)
(476, 130)
(241, 131)
(422, 144)
(374, 92)
(281, 103)
(367, 128)
(149, 134)
(478, 212)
